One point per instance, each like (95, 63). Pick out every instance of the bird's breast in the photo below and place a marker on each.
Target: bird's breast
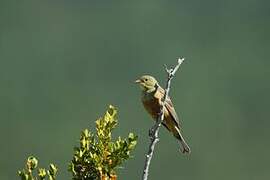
(151, 104)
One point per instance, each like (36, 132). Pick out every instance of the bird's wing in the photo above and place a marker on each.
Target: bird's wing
(170, 108)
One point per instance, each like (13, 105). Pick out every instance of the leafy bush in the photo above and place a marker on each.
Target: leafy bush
(32, 172)
(97, 156)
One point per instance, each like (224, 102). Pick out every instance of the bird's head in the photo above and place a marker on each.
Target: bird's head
(147, 83)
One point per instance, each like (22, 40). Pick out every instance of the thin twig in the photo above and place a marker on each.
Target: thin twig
(155, 129)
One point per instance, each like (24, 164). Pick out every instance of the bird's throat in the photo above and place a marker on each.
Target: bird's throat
(150, 90)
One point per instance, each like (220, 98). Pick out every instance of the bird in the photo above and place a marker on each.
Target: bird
(152, 95)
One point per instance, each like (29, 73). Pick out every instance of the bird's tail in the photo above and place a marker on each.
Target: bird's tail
(185, 147)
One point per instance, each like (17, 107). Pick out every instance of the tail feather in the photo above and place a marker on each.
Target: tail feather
(185, 147)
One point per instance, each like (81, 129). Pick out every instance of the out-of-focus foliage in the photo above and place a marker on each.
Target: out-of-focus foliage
(98, 156)
(33, 172)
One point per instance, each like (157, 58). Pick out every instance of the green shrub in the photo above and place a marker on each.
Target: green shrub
(32, 172)
(97, 156)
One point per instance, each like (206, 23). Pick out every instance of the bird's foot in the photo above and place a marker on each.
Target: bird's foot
(151, 132)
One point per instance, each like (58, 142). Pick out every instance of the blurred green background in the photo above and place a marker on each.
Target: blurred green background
(63, 62)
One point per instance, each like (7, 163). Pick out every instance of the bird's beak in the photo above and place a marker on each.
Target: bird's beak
(137, 81)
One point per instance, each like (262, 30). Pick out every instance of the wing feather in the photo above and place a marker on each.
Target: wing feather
(170, 108)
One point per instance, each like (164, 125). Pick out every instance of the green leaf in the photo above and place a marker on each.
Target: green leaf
(32, 163)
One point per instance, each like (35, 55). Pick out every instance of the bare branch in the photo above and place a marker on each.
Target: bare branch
(155, 129)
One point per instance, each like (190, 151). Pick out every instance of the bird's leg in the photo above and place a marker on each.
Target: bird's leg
(152, 131)
(156, 125)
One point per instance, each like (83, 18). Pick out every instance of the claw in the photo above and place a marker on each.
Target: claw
(151, 132)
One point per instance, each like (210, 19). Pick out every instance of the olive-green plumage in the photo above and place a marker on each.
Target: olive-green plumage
(152, 95)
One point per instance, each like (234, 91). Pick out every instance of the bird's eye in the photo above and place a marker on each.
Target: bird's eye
(146, 79)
